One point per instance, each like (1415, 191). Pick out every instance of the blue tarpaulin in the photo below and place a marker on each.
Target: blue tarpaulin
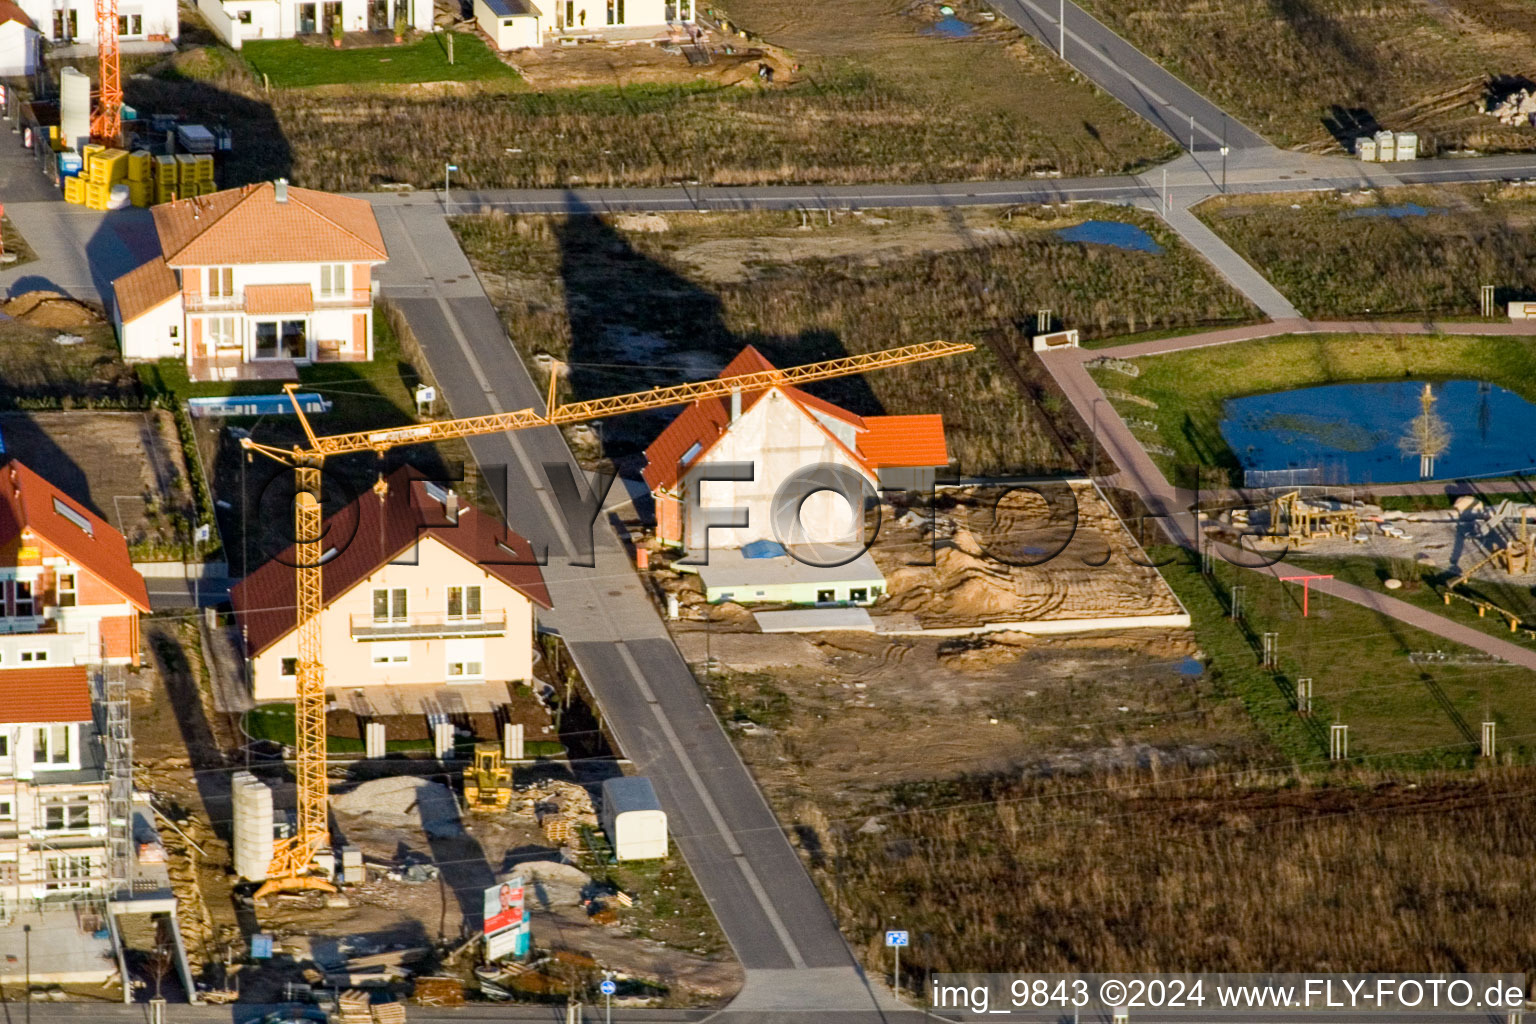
(762, 549)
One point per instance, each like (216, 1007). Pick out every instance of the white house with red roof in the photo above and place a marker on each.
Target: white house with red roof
(254, 282)
(417, 590)
(781, 430)
(53, 795)
(21, 50)
(69, 594)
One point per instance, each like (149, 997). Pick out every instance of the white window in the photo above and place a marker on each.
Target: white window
(67, 813)
(466, 659)
(389, 604)
(7, 810)
(5, 745)
(221, 332)
(35, 656)
(68, 871)
(333, 280)
(464, 604)
(50, 744)
(221, 282)
(21, 591)
(130, 24)
(391, 653)
(69, 594)
(290, 667)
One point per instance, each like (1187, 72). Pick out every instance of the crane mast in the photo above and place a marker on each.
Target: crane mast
(293, 858)
(107, 119)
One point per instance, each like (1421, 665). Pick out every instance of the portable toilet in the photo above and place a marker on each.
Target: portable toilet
(1386, 147)
(1407, 145)
(1365, 148)
(633, 818)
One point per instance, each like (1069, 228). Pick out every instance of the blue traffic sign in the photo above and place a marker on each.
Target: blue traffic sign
(896, 939)
(607, 988)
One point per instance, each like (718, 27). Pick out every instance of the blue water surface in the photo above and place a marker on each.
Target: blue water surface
(1398, 211)
(950, 26)
(1351, 431)
(1110, 232)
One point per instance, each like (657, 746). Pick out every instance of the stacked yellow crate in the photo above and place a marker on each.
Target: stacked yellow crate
(103, 169)
(186, 174)
(203, 169)
(166, 190)
(74, 190)
(140, 181)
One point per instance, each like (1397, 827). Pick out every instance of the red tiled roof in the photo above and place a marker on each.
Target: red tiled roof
(369, 534)
(249, 225)
(28, 502)
(278, 298)
(902, 441)
(59, 694)
(11, 12)
(141, 290)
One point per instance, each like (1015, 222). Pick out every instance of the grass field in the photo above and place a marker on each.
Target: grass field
(290, 63)
(1301, 71)
(661, 300)
(38, 373)
(1190, 387)
(877, 99)
(1342, 256)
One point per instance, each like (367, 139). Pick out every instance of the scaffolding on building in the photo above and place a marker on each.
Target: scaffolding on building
(117, 741)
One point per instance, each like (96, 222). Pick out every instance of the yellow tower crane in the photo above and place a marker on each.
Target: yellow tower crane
(293, 858)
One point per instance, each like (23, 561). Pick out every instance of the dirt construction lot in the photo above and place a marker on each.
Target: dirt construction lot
(127, 467)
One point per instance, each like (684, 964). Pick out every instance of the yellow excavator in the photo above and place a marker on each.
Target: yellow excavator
(487, 780)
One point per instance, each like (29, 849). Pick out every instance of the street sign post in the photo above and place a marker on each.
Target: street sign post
(608, 988)
(896, 939)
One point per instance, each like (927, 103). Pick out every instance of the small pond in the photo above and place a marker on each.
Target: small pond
(1396, 212)
(1350, 432)
(1110, 232)
(950, 26)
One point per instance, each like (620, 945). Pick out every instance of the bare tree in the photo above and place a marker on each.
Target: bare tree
(1427, 435)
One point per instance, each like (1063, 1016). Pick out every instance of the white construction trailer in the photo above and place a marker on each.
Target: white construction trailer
(633, 818)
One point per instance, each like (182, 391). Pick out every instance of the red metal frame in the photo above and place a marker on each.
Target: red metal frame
(1306, 583)
(107, 121)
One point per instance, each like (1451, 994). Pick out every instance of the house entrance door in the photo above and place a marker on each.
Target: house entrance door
(330, 15)
(378, 16)
(307, 26)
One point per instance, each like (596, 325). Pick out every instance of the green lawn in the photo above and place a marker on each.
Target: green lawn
(1189, 387)
(296, 63)
(1398, 712)
(274, 722)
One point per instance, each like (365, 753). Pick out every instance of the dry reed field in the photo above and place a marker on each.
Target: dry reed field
(1289, 68)
(639, 300)
(900, 105)
(1207, 870)
(1400, 250)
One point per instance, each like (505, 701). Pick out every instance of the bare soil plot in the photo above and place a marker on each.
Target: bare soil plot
(1385, 251)
(1308, 72)
(1052, 552)
(127, 467)
(874, 96)
(639, 300)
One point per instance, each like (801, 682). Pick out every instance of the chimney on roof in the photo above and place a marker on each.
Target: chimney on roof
(280, 190)
(735, 404)
(451, 507)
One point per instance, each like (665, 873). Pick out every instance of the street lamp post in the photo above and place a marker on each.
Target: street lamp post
(1224, 151)
(26, 931)
(448, 169)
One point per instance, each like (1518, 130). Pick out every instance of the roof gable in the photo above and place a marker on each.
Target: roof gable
(249, 225)
(144, 289)
(879, 440)
(369, 534)
(31, 506)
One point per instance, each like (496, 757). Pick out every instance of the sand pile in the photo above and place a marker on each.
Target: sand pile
(50, 309)
(403, 802)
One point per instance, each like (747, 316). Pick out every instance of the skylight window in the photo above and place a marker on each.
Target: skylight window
(691, 453)
(74, 517)
(437, 492)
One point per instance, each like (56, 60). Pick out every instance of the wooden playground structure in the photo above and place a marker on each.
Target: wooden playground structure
(1296, 520)
(1514, 559)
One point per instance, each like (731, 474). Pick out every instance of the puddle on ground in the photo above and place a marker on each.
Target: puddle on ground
(1110, 232)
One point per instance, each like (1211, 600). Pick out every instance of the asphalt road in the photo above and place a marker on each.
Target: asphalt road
(1130, 76)
(1273, 171)
(772, 914)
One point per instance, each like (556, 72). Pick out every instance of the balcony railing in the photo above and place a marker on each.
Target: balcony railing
(427, 627)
